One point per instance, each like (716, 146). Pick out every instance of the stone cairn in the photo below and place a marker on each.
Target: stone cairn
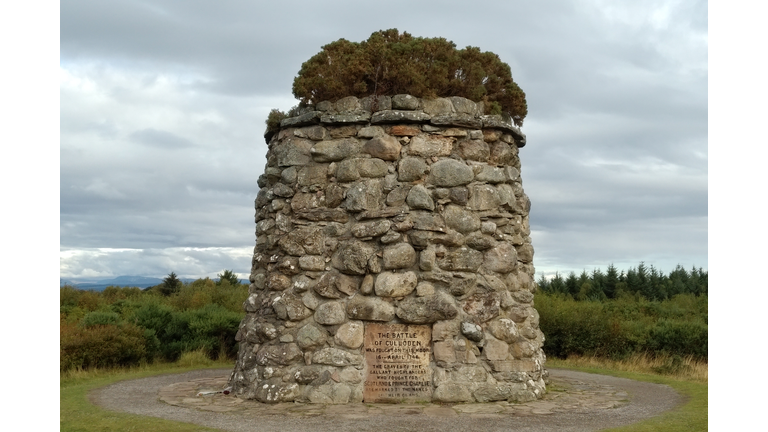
(393, 261)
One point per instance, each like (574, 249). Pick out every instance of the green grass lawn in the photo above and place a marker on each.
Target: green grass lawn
(78, 414)
(691, 416)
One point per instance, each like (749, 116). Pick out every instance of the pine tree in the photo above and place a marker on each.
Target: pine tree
(171, 284)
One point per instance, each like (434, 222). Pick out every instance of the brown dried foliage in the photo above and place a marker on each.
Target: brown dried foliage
(390, 63)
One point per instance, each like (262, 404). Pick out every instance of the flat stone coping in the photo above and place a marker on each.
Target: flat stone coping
(575, 401)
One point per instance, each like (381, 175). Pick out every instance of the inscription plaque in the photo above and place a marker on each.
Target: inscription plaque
(398, 369)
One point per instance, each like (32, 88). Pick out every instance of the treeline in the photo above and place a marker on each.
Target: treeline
(643, 281)
(128, 326)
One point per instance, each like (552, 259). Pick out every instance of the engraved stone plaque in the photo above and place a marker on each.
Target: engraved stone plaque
(397, 358)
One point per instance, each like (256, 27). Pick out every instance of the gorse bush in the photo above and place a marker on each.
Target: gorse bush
(101, 346)
(391, 63)
(126, 326)
(619, 328)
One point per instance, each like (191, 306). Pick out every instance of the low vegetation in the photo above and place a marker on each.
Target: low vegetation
(130, 326)
(391, 63)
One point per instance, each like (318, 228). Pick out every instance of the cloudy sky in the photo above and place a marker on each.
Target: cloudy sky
(162, 109)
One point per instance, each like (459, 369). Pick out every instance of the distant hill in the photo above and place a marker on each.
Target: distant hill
(121, 281)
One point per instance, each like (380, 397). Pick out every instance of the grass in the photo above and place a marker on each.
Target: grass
(687, 377)
(77, 413)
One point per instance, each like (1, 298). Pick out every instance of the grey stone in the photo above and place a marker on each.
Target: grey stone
(370, 309)
(289, 175)
(383, 147)
(307, 201)
(334, 195)
(504, 329)
(390, 237)
(310, 336)
(336, 357)
(460, 219)
(371, 229)
(419, 199)
(411, 169)
(462, 287)
(437, 106)
(427, 258)
(430, 146)
(352, 257)
(483, 197)
(350, 335)
(370, 132)
(294, 151)
(450, 173)
(312, 175)
(357, 117)
(479, 242)
(366, 288)
(310, 300)
(457, 119)
(275, 391)
(395, 116)
(399, 256)
(347, 171)
(278, 282)
(347, 104)
(397, 196)
(282, 190)
(312, 263)
(390, 284)
(501, 259)
(371, 167)
(482, 305)
(364, 195)
(444, 352)
(498, 391)
(427, 221)
(330, 313)
(427, 309)
(335, 150)
(500, 154)
(376, 103)
(461, 259)
(425, 289)
(525, 253)
(474, 150)
(301, 120)
(280, 354)
(315, 133)
(488, 227)
(405, 102)
(459, 195)
(452, 392)
(472, 331)
(491, 175)
(290, 307)
(523, 296)
(445, 330)
(464, 105)
(307, 374)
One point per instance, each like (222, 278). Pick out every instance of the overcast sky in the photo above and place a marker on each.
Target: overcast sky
(162, 109)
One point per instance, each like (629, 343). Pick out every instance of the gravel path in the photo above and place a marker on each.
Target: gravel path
(562, 411)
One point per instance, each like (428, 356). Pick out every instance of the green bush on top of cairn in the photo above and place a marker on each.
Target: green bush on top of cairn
(391, 63)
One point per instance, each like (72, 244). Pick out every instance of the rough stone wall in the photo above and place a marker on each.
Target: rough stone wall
(395, 210)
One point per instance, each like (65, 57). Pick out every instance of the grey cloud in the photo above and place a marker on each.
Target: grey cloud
(161, 144)
(160, 139)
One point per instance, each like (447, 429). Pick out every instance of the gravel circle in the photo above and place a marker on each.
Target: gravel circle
(140, 396)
